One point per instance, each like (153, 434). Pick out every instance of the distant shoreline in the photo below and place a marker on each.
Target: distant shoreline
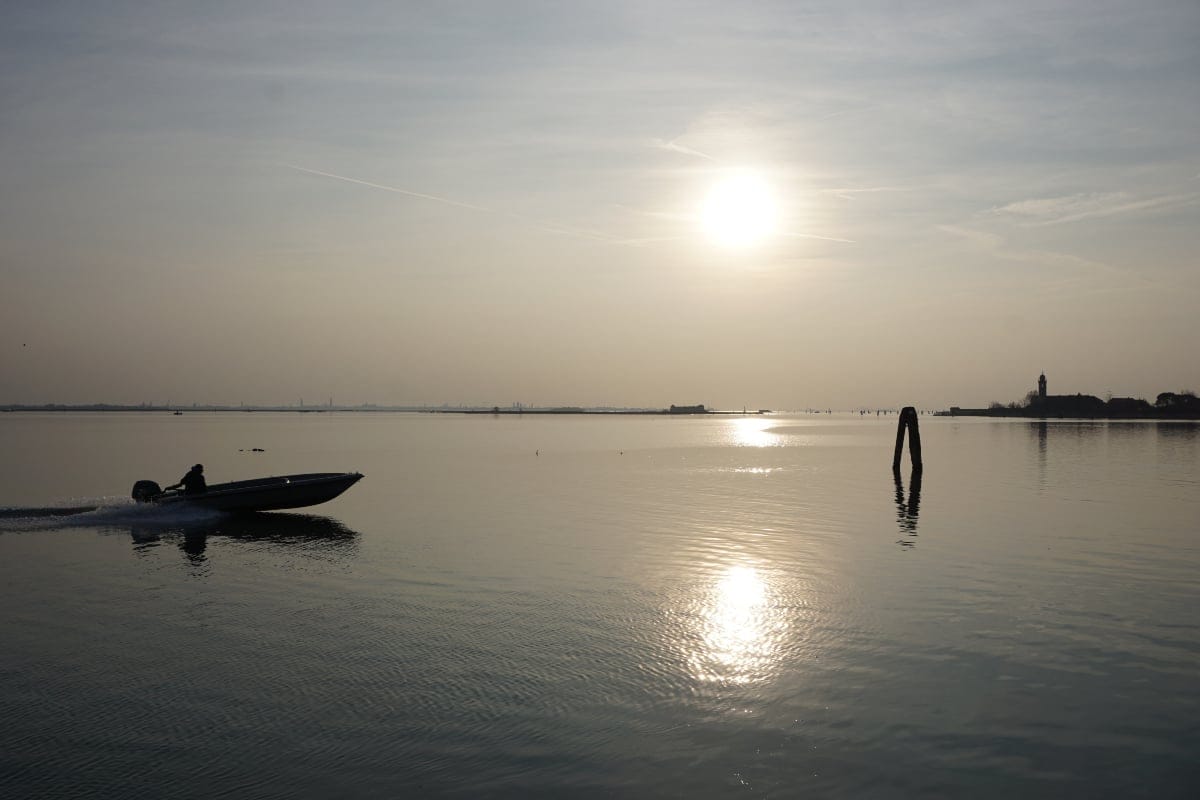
(496, 411)
(602, 413)
(1038, 414)
(1040, 404)
(1002, 412)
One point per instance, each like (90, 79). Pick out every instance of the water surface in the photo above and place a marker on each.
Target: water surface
(593, 606)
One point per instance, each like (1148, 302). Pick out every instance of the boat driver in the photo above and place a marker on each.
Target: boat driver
(193, 482)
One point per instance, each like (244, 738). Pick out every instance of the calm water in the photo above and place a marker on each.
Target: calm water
(604, 607)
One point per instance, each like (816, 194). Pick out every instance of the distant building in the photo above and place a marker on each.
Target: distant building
(688, 409)
(1041, 404)
(1071, 405)
(1128, 407)
(1064, 405)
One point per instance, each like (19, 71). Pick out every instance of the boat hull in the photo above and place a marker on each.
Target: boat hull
(267, 494)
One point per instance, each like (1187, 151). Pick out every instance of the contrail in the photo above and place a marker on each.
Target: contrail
(822, 238)
(548, 227)
(675, 147)
(434, 198)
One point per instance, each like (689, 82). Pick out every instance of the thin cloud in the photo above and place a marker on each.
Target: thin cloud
(549, 227)
(982, 239)
(395, 189)
(848, 111)
(996, 245)
(848, 194)
(673, 216)
(648, 240)
(1072, 208)
(815, 236)
(675, 147)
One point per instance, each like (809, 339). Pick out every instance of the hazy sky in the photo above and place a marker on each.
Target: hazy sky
(502, 202)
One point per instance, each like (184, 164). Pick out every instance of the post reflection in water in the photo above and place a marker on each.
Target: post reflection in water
(741, 627)
(906, 512)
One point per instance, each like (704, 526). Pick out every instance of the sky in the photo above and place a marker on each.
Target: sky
(490, 203)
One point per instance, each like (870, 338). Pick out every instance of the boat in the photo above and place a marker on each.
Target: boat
(259, 494)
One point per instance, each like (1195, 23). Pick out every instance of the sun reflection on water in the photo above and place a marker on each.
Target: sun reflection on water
(740, 628)
(753, 432)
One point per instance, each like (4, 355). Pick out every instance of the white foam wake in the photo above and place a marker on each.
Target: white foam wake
(101, 512)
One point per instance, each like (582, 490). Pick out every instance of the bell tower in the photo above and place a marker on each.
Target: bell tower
(1042, 387)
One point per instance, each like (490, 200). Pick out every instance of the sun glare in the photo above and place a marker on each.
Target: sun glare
(740, 627)
(740, 210)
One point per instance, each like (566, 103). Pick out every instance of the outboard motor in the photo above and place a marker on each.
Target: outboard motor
(145, 491)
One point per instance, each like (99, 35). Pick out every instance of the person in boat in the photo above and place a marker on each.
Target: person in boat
(193, 482)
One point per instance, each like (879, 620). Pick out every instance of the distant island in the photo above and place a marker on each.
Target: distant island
(516, 408)
(1041, 405)
(673, 410)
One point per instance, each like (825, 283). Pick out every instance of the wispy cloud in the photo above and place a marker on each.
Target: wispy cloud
(544, 225)
(1068, 268)
(649, 240)
(1075, 207)
(815, 236)
(386, 188)
(675, 147)
(672, 216)
(848, 194)
(985, 240)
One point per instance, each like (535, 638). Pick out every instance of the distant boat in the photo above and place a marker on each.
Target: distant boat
(259, 494)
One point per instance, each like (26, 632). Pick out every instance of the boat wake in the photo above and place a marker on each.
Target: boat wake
(101, 512)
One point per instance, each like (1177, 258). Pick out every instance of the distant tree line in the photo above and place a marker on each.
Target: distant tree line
(1178, 400)
(1182, 404)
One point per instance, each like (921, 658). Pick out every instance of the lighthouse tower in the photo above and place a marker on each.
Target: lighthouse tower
(1042, 388)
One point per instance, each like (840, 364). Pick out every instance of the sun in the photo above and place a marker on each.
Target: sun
(739, 210)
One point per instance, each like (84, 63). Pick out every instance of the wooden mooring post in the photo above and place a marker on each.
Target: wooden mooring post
(908, 419)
